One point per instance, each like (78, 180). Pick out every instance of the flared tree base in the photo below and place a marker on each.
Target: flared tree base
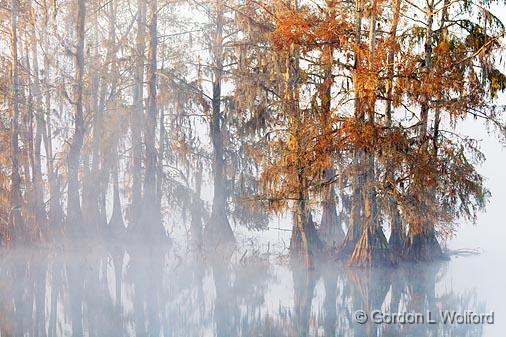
(116, 229)
(347, 248)
(218, 236)
(422, 247)
(299, 250)
(330, 232)
(371, 250)
(396, 242)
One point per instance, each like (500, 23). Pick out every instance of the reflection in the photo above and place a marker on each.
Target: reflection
(304, 282)
(224, 313)
(153, 291)
(330, 280)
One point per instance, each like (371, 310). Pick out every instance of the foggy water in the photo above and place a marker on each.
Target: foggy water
(108, 290)
(153, 291)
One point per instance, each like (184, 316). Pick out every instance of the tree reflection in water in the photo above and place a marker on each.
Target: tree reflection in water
(152, 291)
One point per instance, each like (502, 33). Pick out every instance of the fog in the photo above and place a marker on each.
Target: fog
(151, 291)
(109, 289)
(112, 285)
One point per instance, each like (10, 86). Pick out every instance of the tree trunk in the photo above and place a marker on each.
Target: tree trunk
(218, 231)
(159, 166)
(196, 212)
(396, 7)
(356, 210)
(304, 242)
(16, 223)
(151, 213)
(74, 216)
(55, 211)
(397, 234)
(55, 215)
(95, 180)
(330, 231)
(422, 244)
(39, 207)
(137, 120)
(116, 223)
(30, 217)
(372, 247)
(355, 223)
(396, 240)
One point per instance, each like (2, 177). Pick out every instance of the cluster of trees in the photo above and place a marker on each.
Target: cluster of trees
(116, 113)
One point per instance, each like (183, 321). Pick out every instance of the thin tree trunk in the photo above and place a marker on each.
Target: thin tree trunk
(116, 223)
(32, 231)
(151, 212)
(443, 32)
(396, 7)
(101, 167)
(40, 210)
(218, 231)
(330, 231)
(137, 119)
(355, 223)
(55, 216)
(159, 165)
(396, 240)
(55, 212)
(74, 216)
(16, 222)
(196, 212)
(95, 177)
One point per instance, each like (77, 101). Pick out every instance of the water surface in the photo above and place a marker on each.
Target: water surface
(153, 291)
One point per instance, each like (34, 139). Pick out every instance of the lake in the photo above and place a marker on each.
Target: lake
(107, 290)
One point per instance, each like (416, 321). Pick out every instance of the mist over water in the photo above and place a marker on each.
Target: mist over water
(109, 290)
(164, 289)
(114, 288)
